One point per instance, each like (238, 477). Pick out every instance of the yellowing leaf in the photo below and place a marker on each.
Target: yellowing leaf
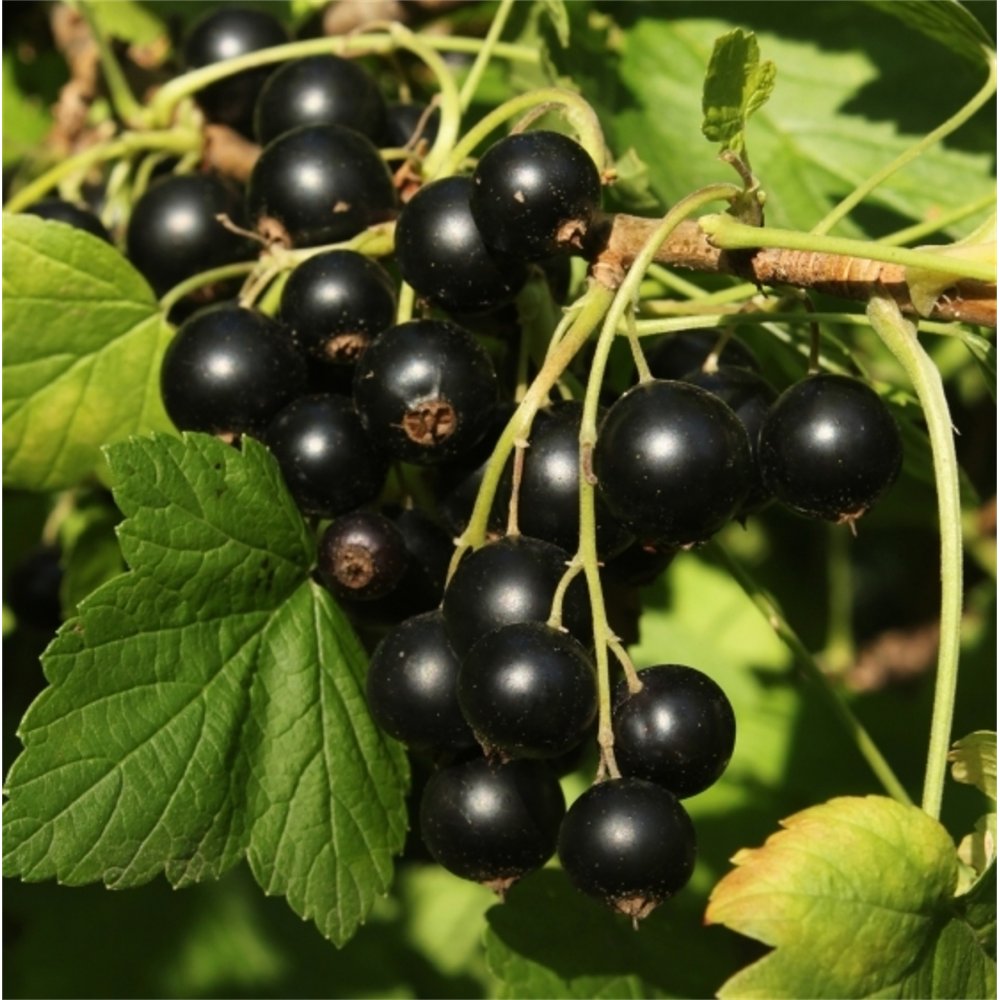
(855, 896)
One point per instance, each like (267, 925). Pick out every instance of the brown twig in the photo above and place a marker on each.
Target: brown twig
(615, 242)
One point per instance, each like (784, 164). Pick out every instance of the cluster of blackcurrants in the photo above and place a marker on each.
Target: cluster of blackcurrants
(473, 670)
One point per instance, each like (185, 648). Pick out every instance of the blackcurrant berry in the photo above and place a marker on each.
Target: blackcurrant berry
(678, 731)
(319, 90)
(528, 690)
(228, 32)
(492, 825)
(329, 464)
(425, 390)
(174, 231)
(362, 555)
(829, 448)
(336, 303)
(750, 396)
(672, 462)
(512, 580)
(677, 354)
(549, 497)
(58, 210)
(640, 564)
(412, 686)
(318, 184)
(441, 253)
(534, 194)
(228, 371)
(629, 843)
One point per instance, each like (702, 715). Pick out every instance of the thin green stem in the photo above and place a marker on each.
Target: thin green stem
(839, 653)
(484, 54)
(652, 327)
(958, 119)
(579, 114)
(172, 141)
(668, 279)
(900, 337)
(856, 731)
(726, 233)
(192, 284)
(917, 232)
(502, 50)
(127, 108)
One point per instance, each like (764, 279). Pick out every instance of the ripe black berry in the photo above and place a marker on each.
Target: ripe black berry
(318, 184)
(628, 843)
(672, 462)
(336, 303)
(678, 731)
(549, 498)
(228, 32)
(512, 580)
(492, 825)
(749, 396)
(174, 231)
(228, 371)
(362, 556)
(678, 354)
(329, 464)
(319, 90)
(58, 210)
(535, 194)
(441, 253)
(528, 690)
(412, 686)
(829, 447)
(425, 390)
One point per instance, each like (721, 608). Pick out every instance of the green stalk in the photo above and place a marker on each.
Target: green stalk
(937, 225)
(127, 108)
(852, 725)
(192, 284)
(900, 337)
(484, 54)
(172, 141)
(862, 191)
(728, 234)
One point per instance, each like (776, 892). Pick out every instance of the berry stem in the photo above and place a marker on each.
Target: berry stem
(855, 730)
(958, 119)
(941, 222)
(177, 141)
(726, 233)
(126, 107)
(192, 284)
(485, 53)
(900, 337)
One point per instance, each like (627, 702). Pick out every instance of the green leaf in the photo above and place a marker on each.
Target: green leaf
(558, 18)
(25, 119)
(979, 908)
(853, 863)
(974, 762)
(208, 705)
(737, 84)
(131, 22)
(83, 338)
(946, 21)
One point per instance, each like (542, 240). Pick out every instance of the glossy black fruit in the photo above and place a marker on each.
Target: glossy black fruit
(362, 556)
(329, 464)
(319, 90)
(678, 731)
(318, 184)
(492, 825)
(528, 690)
(678, 354)
(58, 210)
(425, 391)
(672, 462)
(228, 371)
(336, 303)
(412, 686)
(534, 194)
(549, 498)
(441, 253)
(750, 396)
(829, 447)
(629, 843)
(174, 231)
(512, 580)
(228, 32)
